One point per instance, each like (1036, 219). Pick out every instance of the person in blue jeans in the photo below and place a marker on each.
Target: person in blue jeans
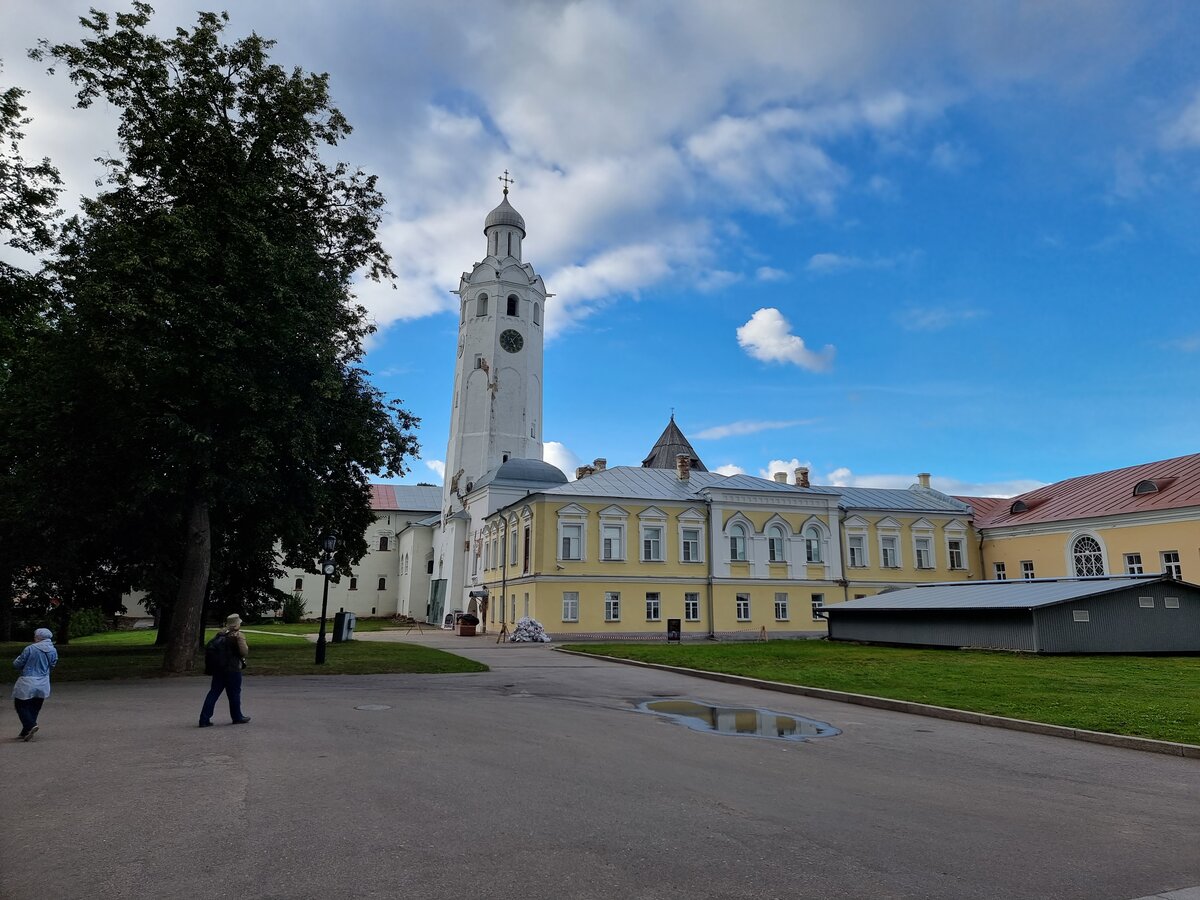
(32, 686)
(227, 677)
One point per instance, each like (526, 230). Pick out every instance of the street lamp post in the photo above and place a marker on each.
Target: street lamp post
(328, 544)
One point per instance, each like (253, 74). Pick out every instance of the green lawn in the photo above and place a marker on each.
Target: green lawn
(132, 654)
(1154, 697)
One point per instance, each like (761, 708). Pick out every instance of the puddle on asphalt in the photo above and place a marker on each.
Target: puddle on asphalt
(739, 720)
(373, 707)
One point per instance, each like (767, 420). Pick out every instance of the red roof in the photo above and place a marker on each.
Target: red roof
(382, 496)
(985, 506)
(412, 497)
(1167, 484)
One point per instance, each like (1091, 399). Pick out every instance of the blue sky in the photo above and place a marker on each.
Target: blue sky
(873, 238)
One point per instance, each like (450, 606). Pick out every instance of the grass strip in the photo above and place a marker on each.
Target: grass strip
(1144, 696)
(132, 654)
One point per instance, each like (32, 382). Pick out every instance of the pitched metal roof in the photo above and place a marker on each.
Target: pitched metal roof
(661, 484)
(1176, 485)
(916, 499)
(419, 497)
(1015, 594)
(670, 444)
(985, 506)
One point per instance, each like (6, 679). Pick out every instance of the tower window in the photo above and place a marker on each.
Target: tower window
(512, 304)
(510, 243)
(482, 305)
(537, 314)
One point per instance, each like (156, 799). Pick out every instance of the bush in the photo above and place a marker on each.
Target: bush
(87, 621)
(293, 609)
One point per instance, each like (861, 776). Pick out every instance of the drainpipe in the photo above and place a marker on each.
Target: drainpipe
(712, 634)
(842, 550)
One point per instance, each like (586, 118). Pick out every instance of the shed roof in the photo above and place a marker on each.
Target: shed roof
(419, 497)
(1016, 594)
(1172, 484)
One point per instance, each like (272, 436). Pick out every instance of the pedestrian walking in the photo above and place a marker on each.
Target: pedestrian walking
(224, 659)
(33, 684)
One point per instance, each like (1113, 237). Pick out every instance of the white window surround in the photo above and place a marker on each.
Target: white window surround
(691, 607)
(1171, 564)
(1027, 570)
(955, 530)
(570, 607)
(652, 530)
(612, 606)
(572, 515)
(653, 606)
(781, 606)
(738, 531)
(814, 545)
(613, 534)
(1000, 573)
(776, 543)
(889, 549)
(1092, 562)
(922, 540)
(956, 553)
(692, 519)
(1133, 564)
(856, 550)
(743, 607)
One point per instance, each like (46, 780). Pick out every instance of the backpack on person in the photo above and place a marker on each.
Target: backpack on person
(216, 654)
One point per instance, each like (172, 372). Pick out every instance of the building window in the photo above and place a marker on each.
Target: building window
(652, 543)
(512, 305)
(691, 607)
(1027, 569)
(690, 544)
(812, 544)
(924, 547)
(299, 584)
(612, 606)
(353, 583)
(818, 607)
(1171, 565)
(954, 550)
(1089, 560)
(479, 360)
(775, 544)
(512, 543)
(383, 582)
(857, 545)
(481, 305)
(1000, 575)
(512, 607)
(781, 607)
(1133, 564)
(743, 607)
(737, 543)
(570, 612)
(571, 541)
(537, 314)
(612, 538)
(429, 567)
(652, 607)
(889, 554)
(383, 542)
(526, 554)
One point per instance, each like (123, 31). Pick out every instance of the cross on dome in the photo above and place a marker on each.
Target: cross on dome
(506, 181)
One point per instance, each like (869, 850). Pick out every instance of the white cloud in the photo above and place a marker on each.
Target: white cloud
(1188, 344)
(767, 273)
(843, 477)
(1183, 132)
(768, 337)
(558, 455)
(934, 318)
(787, 467)
(716, 432)
(729, 469)
(437, 466)
(830, 263)
(952, 157)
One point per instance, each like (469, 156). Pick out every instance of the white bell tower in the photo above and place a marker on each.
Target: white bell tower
(496, 411)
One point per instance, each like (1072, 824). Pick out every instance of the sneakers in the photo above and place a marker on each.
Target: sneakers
(244, 720)
(206, 724)
(27, 736)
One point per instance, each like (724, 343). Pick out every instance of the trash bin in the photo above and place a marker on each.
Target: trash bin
(343, 627)
(467, 624)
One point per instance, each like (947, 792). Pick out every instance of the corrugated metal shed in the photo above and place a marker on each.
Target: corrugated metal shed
(418, 497)
(1176, 485)
(993, 594)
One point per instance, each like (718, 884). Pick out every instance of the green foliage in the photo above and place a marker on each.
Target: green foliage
(88, 621)
(293, 609)
(202, 347)
(1134, 695)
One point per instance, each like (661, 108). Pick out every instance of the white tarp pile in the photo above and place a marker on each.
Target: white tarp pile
(528, 629)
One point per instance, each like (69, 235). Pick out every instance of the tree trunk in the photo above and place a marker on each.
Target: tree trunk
(163, 636)
(185, 614)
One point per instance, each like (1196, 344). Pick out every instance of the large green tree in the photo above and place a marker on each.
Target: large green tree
(209, 333)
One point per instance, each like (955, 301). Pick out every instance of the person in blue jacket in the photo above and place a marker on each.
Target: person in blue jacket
(33, 684)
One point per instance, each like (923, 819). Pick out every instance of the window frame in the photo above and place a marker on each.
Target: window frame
(952, 551)
(781, 607)
(564, 548)
(776, 544)
(818, 607)
(1027, 570)
(893, 550)
(691, 601)
(653, 605)
(926, 552)
(612, 606)
(481, 306)
(570, 600)
(1133, 564)
(999, 572)
(742, 607)
(737, 542)
(1089, 562)
(1172, 567)
(644, 533)
(863, 559)
(814, 538)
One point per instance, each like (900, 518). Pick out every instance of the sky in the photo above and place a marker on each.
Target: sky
(872, 238)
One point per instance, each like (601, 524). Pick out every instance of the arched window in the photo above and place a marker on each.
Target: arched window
(299, 584)
(383, 543)
(812, 543)
(463, 312)
(1145, 487)
(1018, 506)
(775, 543)
(481, 307)
(737, 543)
(537, 314)
(512, 305)
(1089, 560)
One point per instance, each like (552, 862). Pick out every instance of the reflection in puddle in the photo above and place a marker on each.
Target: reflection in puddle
(739, 720)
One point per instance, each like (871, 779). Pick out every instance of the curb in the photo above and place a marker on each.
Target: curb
(1146, 745)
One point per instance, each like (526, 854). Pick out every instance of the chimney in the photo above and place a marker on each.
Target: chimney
(802, 477)
(683, 466)
(923, 478)
(780, 477)
(600, 464)
(583, 472)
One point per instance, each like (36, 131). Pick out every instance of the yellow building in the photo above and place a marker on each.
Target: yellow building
(1136, 520)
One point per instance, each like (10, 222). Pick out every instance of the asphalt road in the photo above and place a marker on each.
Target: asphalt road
(539, 779)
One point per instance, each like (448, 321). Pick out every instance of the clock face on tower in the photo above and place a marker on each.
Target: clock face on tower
(511, 340)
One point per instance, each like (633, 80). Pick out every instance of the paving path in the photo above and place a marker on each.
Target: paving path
(538, 779)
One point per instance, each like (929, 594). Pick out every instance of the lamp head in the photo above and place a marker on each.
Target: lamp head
(329, 543)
